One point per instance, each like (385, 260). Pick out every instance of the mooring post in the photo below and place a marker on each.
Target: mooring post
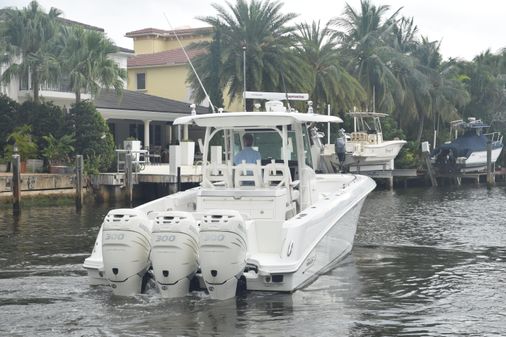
(79, 181)
(129, 175)
(16, 184)
(426, 152)
(490, 176)
(179, 178)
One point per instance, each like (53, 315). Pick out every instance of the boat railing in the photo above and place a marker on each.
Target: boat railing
(494, 137)
(139, 159)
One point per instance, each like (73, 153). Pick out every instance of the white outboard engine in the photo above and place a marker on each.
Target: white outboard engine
(174, 253)
(126, 243)
(222, 253)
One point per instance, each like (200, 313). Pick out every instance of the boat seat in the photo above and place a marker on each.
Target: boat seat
(217, 174)
(247, 174)
(276, 175)
(359, 137)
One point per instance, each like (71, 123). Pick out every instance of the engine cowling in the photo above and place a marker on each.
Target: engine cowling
(126, 243)
(174, 252)
(222, 253)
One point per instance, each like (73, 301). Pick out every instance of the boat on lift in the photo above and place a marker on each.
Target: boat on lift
(467, 151)
(365, 148)
(271, 225)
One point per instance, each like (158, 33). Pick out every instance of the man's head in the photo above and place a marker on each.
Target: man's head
(247, 140)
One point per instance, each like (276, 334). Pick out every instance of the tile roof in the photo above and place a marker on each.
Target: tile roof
(164, 58)
(134, 100)
(169, 33)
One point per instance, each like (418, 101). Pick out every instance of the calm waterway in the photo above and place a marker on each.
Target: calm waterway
(426, 262)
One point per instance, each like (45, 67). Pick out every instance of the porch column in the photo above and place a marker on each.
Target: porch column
(146, 134)
(185, 133)
(168, 134)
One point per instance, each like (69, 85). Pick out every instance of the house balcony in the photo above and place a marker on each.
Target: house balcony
(60, 93)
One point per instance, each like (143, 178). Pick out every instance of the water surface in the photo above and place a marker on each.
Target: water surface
(426, 262)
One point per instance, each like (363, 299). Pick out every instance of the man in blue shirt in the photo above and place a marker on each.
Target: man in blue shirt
(247, 154)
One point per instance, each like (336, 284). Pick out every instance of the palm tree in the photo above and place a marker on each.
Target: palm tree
(30, 35)
(85, 61)
(363, 37)
(412, 75)
(486, 85)
(209, 68)
(329, 82)
(446, 92)
(260, 28)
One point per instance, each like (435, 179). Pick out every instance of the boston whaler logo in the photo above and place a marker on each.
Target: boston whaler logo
(311, 259)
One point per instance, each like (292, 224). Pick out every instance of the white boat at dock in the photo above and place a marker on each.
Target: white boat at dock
(271, 225)
(366, 150)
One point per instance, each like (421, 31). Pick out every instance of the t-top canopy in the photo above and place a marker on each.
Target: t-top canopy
(366, 114)
(255, 119)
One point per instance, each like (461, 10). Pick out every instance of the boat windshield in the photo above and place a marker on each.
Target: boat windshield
(268, 142)
(226, 143)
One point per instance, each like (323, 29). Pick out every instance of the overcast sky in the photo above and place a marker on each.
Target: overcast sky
(465, 27)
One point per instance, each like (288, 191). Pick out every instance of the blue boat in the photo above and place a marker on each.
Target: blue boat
(467, 152)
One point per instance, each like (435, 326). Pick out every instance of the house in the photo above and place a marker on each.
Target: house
(20, 90)
(133, 114)
(160, 66)
(144, 117)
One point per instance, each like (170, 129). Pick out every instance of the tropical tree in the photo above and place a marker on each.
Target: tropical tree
(30, 35)
(57, 150)
(8, 116)
(363, 35)
(92, 137)
(260, 30)
(327, 81)
(412, 75)
(485, 81)
(209, 68)
(21, 138)
(85, 61)
(447, 91)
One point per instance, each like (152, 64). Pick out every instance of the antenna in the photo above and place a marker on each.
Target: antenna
(373, 98)
(191, 64)
(286, 92)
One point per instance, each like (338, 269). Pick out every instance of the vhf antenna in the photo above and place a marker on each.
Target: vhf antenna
(191, 64)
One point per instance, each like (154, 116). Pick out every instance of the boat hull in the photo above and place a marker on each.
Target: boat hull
(333, 247)
(335, 219)
(363, 156)
(310, 243)
(475, 162)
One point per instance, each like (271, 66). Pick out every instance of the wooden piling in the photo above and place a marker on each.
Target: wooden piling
(79, 181)
(16, 184)
(179, 178)
(129, 176)
(430, 170)
(490, 176)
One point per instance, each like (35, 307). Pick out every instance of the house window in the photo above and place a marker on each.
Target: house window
(155, 134)
(136, 131)
(141, 81)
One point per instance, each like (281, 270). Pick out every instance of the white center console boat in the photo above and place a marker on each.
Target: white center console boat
(274, 224)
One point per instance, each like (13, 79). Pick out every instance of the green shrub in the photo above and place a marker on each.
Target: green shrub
(21, 137)
(8, 117)
(46, 118)
(93, 138)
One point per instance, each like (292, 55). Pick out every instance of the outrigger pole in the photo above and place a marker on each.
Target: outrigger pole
(191, 64)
